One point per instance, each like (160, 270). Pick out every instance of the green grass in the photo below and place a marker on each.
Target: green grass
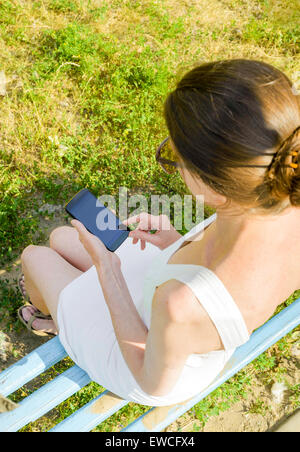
(84, 101)
(86, 81)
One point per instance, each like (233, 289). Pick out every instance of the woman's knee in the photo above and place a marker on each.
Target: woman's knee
(65, 241)
(34, 253)
(31, 251)
(59, 236)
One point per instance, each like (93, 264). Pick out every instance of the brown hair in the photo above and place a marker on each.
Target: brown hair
(236, 124)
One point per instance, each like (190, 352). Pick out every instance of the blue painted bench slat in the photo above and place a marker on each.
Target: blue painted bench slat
(103, 406)
(44, 399)
(31, 366)
(91, 414)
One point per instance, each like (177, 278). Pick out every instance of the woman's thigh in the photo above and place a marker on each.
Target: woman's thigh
(50, 273)
(65, 241)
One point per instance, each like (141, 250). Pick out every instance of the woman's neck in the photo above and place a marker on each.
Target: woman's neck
(230, 225)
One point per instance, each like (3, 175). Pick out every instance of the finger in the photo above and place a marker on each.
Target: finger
(143, 220)
(136, 234)
(82, 232)
(143, 245)
(81, 229)
(146, 236)
(132, 220)
(150, 222)
(134, 241)
(144, 225)
(84, 235)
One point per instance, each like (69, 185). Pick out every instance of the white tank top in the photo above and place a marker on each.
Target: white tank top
(208, 289)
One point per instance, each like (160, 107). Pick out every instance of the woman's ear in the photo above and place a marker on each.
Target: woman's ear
(198, 187)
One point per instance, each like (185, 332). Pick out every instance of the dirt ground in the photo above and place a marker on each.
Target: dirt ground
(262, 411)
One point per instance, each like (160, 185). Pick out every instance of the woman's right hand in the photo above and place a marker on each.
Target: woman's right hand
(165, 233)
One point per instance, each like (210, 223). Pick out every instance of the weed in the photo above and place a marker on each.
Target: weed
(259, 407)
(294, 395)
(63, 5)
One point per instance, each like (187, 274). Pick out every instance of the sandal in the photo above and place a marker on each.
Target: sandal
(36, 315)
(23, 292)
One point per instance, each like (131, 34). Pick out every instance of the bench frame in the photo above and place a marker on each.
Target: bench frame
(102, 407)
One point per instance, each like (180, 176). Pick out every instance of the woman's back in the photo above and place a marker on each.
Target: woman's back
(254, 260)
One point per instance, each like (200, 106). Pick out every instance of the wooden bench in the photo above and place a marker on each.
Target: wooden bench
(97, 410)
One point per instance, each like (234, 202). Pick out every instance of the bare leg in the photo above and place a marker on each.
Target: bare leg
(64, 240)
(46, 274)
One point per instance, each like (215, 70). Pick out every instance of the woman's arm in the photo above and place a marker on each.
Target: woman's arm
(155, 358)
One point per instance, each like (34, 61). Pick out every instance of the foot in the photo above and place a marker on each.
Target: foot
(48, 326)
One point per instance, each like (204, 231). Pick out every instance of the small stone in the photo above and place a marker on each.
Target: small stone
(278, 390)
(4, 344)
(50, 208)
(295, 350)
(295, 335)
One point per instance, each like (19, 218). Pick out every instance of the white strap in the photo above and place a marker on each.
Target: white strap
(219, 305)
(200, 226)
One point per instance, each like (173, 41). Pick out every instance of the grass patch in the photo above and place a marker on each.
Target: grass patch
(86, 84)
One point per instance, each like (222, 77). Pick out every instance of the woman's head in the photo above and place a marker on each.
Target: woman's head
(236, 125)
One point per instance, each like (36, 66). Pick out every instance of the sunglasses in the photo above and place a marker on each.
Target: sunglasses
(167, 158)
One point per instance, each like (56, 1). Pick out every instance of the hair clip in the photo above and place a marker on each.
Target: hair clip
(294, 165)
(294, 153)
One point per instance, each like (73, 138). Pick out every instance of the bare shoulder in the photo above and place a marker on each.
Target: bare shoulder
(175, 303)
(176, 300)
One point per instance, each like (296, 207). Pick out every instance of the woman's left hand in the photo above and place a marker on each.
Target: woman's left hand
(98, 252)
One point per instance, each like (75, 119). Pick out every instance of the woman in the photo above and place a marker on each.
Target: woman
(160, 330)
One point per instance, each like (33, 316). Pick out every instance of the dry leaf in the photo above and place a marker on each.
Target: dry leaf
(6, 404)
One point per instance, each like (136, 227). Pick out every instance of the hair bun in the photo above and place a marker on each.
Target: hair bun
(284, 171)
(295, 183)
